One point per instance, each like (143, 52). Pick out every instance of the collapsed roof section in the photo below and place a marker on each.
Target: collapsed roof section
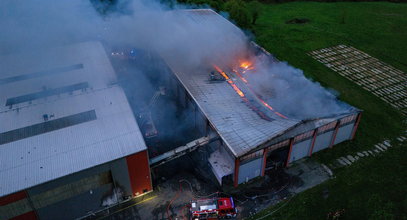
(239, 115)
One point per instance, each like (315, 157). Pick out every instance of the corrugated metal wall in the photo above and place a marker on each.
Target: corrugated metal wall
(67, 191)
(77, 205)
(344, 133)
(250, 170)
(313, 140)
(71, 196)
(16, 206)
(77, 194)
(322, 141)
(300, 150)
(139, 173)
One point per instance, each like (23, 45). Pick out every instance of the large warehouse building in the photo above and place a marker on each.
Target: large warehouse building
(251, 136)
(69, 141)
(68, 137)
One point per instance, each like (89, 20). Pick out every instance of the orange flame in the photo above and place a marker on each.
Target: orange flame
(246, 65)
(271, 108)
(265, 104)
(221, 72)
(240, 76)
(238, 91)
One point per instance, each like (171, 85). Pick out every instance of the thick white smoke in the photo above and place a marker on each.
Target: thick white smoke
(287, 89)
(33, 25)
(30, 25)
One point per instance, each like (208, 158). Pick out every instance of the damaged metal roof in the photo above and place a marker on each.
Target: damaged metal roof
(238, 125)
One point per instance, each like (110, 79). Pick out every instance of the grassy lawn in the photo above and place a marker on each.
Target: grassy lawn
(372, 188)
(379, 29)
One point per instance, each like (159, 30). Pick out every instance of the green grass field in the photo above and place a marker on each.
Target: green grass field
(372, 188)
(379, 29)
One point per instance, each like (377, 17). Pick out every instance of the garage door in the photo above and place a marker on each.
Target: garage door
(300, 150)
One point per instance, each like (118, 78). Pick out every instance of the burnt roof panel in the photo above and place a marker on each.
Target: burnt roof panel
(239, 126)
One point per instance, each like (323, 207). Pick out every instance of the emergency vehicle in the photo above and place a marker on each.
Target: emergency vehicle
(216, 208)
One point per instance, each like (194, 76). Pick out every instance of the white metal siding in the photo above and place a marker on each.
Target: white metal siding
(250, 170)
(322, 141)
(300, 150)
(344, 133)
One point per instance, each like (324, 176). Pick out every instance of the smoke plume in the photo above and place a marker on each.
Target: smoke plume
(287, 89)
(33, 25)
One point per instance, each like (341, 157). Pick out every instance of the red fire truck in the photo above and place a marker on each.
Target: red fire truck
(216, 208)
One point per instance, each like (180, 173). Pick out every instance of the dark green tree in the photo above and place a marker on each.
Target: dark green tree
(254, 8)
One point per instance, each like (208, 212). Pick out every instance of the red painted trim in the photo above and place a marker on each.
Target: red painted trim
(26, 216)
(313, 141)
(356, 126)
(236, 177)
(334, 134)
(31, 215)
(289, 152)
(13, 198)
(263, 169)
(139, 173)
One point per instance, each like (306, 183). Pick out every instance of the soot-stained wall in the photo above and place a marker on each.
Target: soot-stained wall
(77, 194)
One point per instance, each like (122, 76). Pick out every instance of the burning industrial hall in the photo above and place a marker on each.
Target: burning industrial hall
(86, 125)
